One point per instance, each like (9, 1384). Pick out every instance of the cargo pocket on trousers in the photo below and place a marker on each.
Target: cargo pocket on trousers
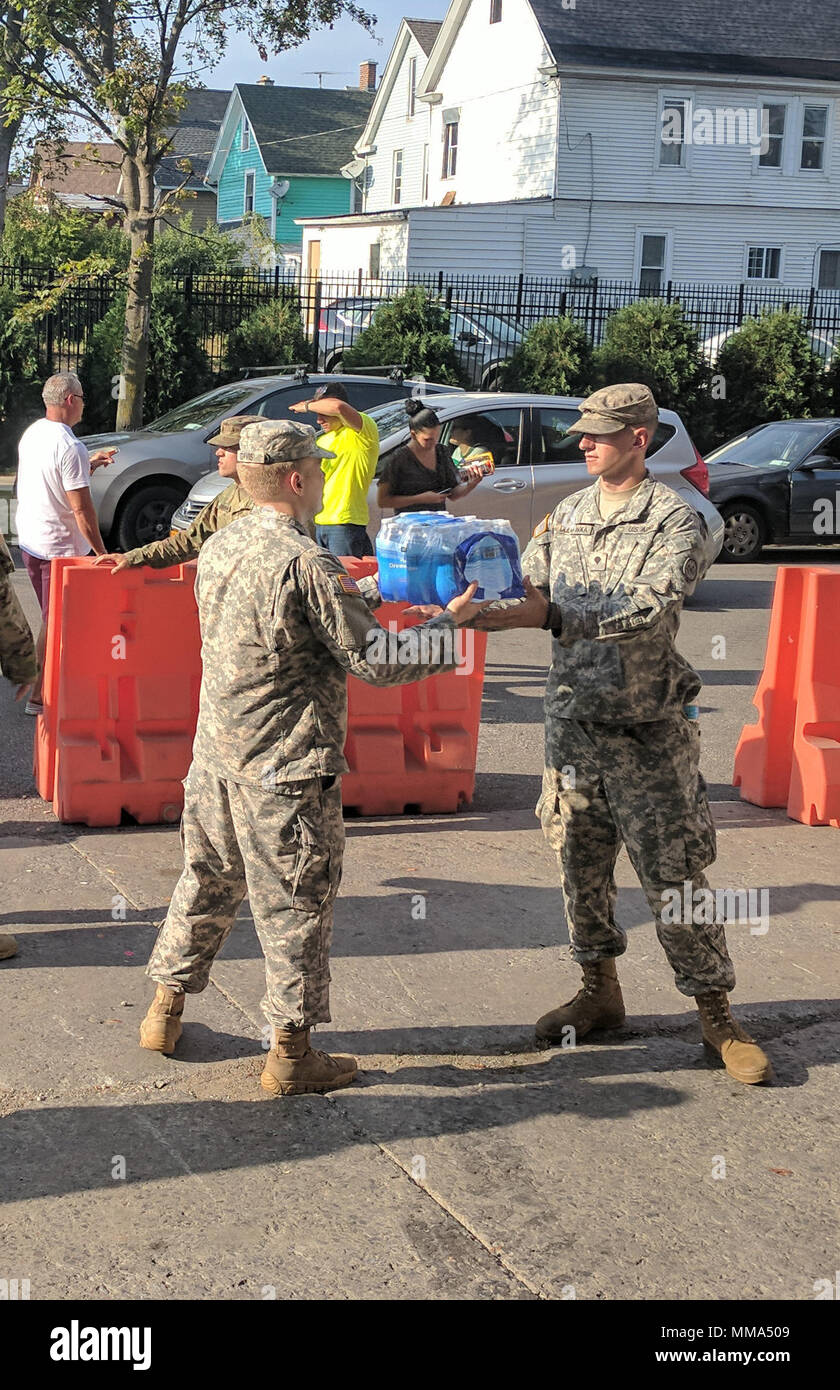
(686, 834)
(313, 874)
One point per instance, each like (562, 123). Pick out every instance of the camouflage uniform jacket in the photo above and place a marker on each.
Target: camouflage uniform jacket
(282, 623)
(17, 648)
(616, 590)
(177, 550)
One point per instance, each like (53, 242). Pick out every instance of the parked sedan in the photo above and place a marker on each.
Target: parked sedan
(483, 341)
(540, 464)
(136, 496)
(778, 484)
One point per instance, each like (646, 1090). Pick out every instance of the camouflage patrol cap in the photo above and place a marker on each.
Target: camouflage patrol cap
(230, 430)
(613, 408)
(279, 441)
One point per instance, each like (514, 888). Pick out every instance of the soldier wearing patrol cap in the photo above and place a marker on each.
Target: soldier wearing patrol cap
(233, 502)
(282, 623)
(608, 571)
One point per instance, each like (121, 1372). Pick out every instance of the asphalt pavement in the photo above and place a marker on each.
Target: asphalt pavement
(462, 1165)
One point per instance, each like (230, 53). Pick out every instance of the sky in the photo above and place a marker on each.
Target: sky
(338, 52)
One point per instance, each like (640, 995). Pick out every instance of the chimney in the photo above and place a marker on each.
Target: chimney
(265, 81)
(367, 77)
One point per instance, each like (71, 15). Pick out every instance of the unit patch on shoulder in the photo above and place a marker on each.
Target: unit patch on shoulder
(543, 526)
(690, 569)
(346, 584)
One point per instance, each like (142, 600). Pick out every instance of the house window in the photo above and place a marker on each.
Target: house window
(814, 126)
(373, 263)
(396, 182)
(773, 123)
(672, 133)
(424, 177)
(829, 270)
(246, 135)
(763, 262)
(652, 254)
(495, 11)
(249, 191)
(412, 86)
(450, 149)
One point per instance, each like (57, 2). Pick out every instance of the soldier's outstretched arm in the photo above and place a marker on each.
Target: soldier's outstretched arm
(340, 617)
(535, 609)
(672, 568)
(175, 550)
(17, 647)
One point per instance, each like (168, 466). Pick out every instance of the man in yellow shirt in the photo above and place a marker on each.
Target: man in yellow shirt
(341, 524)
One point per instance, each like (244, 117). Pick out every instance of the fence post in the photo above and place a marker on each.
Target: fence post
(594, 308)
(519, 292)
(277, 282)
(811, 302)
(316, 320)
(741, 289)
(440, 282)
(668, 292)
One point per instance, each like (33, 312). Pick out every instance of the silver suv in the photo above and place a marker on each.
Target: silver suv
(540, 464)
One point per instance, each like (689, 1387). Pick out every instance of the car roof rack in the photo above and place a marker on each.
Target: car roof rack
(396, 371)
(299, 370)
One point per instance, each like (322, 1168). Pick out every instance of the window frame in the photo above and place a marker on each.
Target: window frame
(785, 136)
(763, 279)
(832, 251)
(424, 175)
(495, 11)
(668, 97)
(411, 109)
(450, 149)
(252, 175)
(825, 139)
(397, 166)
(523, 452)
(641, 233)
(245, 135)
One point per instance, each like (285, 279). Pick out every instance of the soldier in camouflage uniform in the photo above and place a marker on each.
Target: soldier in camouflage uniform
(609, 570)
(18, 662)
(230, 504)
(282, 623)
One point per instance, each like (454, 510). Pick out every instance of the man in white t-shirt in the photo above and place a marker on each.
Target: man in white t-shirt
(55, 514)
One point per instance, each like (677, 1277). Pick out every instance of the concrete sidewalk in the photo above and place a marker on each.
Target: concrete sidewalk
(463, 1165)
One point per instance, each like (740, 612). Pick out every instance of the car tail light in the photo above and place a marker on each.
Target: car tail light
(698, 473)
(322, 323)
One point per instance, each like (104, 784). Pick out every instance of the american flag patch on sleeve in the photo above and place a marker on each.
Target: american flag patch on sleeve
(346, 584)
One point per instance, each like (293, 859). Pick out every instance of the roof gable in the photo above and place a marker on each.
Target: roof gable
(424, 32)
(84, 167)
(194, 137)
(305, 130)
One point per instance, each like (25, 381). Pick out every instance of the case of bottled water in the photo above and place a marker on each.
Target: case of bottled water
(429, 557)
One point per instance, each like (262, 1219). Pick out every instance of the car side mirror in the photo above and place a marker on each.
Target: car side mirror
(470, 338)
(818, 461)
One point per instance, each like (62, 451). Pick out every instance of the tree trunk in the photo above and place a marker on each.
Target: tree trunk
(8, 135)
(138, 185)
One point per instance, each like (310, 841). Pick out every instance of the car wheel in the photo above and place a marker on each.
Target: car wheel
(145, 516)
(333, 364)
(744, 535)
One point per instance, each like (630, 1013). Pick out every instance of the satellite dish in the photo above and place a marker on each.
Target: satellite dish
(279, 190)
(353, 169)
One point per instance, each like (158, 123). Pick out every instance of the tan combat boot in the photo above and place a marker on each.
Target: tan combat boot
(8, 947)
(743, 1058)
(162, 1027)
(292, 1068)
(598, 1005)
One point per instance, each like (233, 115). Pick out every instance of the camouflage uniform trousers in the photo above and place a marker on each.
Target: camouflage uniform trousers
(639, 784)
(284, 848)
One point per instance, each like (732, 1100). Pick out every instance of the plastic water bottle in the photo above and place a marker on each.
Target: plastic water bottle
(385, 546)
(489, 556)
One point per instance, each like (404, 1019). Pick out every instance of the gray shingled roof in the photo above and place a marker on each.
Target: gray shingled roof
(767, 38)
(194, 137)
(327, 123)
(425, 32)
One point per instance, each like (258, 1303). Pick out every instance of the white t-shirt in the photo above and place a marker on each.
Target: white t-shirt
(51, 463)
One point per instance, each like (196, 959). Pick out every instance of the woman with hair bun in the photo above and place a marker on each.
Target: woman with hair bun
(420, 476)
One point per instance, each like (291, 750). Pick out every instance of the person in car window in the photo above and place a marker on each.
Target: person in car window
(421, 475)
(476, 436)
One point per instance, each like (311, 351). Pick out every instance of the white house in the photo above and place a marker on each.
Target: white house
(697, 145)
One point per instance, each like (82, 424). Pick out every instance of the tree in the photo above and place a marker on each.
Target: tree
(652, 342)
(270, 336)
(43, 230)
(115, 68)
(412, 331)
(770, 372)
(554, 359)
(23, 67)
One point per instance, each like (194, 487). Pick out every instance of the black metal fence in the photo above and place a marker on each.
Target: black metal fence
(488, 314)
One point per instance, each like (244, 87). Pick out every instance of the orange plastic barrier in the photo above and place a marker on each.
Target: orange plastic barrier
(413, 747)
(791, 757)
(765, 750)
(121, 682)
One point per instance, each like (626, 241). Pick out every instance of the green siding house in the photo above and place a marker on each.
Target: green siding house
(279, 154)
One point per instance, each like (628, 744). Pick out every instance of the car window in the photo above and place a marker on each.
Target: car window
(368, 395)
(777, 445)
(192, 415)
(496, 430)
(553, 443)
(276, 406)
(830, 447)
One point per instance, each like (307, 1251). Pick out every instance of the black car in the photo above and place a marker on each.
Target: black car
(778, 484)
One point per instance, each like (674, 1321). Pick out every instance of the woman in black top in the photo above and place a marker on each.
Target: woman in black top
(420, 476)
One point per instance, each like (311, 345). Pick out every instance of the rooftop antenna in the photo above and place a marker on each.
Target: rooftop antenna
(324, 72)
